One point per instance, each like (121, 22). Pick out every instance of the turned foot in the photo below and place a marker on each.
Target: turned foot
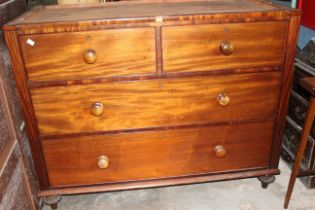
(266, 180)
(52, 201)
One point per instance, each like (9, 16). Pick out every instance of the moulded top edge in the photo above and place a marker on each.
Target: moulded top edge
(138, 9)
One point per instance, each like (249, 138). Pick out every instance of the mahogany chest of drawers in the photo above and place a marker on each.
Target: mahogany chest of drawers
(134, 95)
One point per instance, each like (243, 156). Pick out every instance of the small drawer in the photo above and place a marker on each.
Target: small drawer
(157, 154)
(89, 54)
(223, 46)
(156, 103)
(291, 140)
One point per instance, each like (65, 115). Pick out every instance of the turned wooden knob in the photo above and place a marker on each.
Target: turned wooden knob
(223, 99)
(226, 48)
(103, 162)
(97, 108)
(219, 151)
(89, 56)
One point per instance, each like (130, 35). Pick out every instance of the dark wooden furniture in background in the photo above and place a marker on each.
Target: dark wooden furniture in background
(298, 105)
(309, 84)
(163, 94)
(18, 182)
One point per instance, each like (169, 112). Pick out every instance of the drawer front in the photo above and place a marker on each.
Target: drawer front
(71, 55)
(197, 47)
(154, 103)
(158, 154)
(291, 141)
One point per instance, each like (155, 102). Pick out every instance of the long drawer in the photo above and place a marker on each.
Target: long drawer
(154, 103)
(223, 46)
(89, 54)
(158, 154)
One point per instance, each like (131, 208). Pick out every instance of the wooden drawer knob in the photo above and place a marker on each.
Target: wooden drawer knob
(219, 151)
(97, 108)
(223, 99)
(89, 56)
(226, 48)
(103, 162)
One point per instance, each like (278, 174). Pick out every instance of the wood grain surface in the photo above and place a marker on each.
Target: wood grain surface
(196, 47)
(286, 86)
(25, 100)
(151, 103)
(158, 73)
(60, 56)
(308, 83)
(165, 182)
(136, 9)
(160, 154)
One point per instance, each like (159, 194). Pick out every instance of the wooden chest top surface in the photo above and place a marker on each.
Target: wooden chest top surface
(138, 9)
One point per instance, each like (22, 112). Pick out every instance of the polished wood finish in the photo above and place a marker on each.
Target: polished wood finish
(97, 108)
(308, 84)
(152, 154)
(103, 161)
(130, 105)
(298, 105)
(304, 137)
(25, 100)
(122, 52)
(169, 181)
(220, 151)
(140, 8)
(246, 45)
(226, 48)
(181, 87)
(286, 86)
(159, 75)
(89, 56)
(223, 99)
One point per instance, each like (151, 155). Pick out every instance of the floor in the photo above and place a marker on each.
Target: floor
(243, 194)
